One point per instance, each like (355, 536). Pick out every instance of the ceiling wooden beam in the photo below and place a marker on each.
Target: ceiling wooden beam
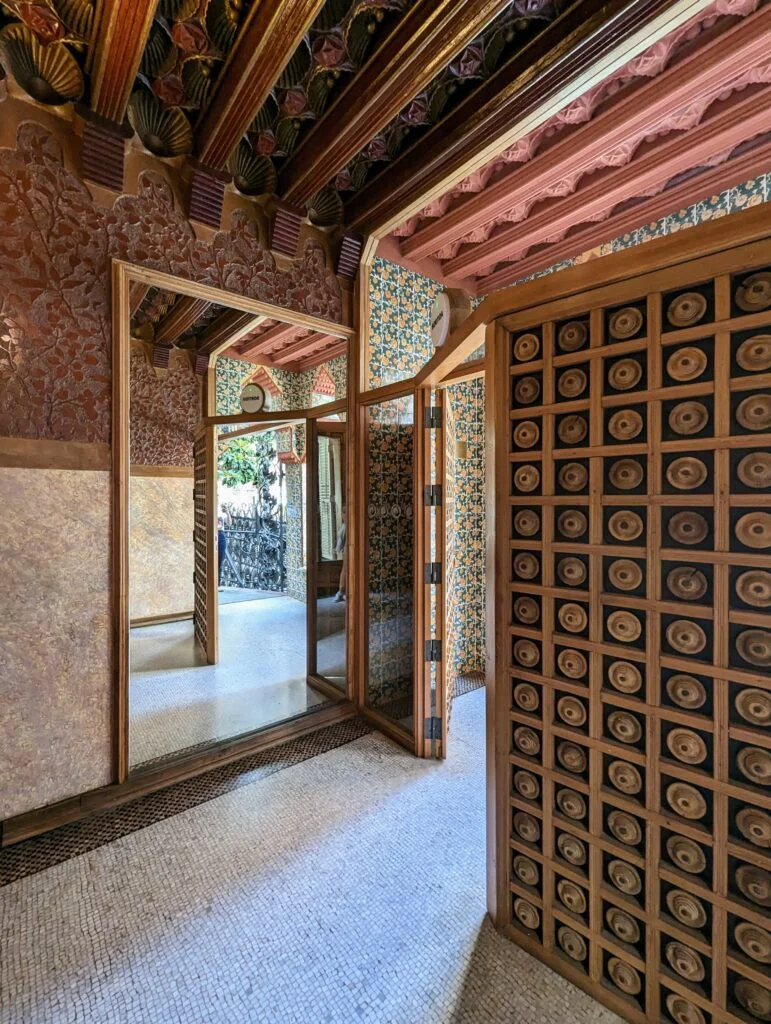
(265, 342)
(747, 164)
(119, 40)
(562, 61)
(317, 358)
(301, 347)
(272, 32)
(137, 295)
(180, 318)
(421, 44)
(728, 55)
(226, 331)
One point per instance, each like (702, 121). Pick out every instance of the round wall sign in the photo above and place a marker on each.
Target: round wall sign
(252, 398)
(440, 319)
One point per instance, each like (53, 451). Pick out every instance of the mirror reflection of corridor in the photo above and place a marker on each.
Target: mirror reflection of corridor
(236, 534)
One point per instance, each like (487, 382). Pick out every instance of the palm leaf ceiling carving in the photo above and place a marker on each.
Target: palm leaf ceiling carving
(363, 87)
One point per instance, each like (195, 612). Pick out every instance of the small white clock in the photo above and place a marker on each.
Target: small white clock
(252, 398)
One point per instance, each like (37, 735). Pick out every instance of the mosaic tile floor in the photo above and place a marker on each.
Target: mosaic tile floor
(349, 887)
(177, 703)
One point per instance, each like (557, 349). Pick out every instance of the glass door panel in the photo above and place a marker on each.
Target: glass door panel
(328, 562)
(389, 560)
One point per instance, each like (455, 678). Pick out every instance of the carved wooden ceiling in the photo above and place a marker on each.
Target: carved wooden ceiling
(162, 320)
(345, 110)
(677, 123)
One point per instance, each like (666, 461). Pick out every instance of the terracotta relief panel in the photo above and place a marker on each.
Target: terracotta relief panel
(55, 251)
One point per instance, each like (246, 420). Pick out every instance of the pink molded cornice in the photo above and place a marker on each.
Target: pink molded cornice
(748, 164)
(676, 95)
(740, 117)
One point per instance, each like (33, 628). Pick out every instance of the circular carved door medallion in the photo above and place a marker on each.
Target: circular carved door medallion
(572, 383)
(625, 424)
(688, 418)
(624, 676)
(572, 336)
(686, 309)
(625, 374)
(687, 582)
(686, 691)
(527, 390)
(526, 347)
(754, 354)
(754, 413)
(754, 293)
(686, 364)
(625, 323)
(625, 525)
(754, 587)
(688, 528)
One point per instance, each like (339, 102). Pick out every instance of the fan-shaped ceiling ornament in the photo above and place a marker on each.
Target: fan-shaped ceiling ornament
(164, 131)
(253, 173)
(42, 50)
(339, 41)
(325, 208)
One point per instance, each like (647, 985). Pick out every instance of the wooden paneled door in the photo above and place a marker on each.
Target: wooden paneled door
(633, 623)
(206, 567)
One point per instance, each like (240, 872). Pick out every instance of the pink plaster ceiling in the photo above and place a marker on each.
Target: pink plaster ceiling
(690, 108)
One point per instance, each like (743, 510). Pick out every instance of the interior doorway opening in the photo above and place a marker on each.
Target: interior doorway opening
(465, 536)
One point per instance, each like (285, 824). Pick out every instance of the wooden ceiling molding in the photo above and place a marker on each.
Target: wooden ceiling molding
(680, 106)
(420, 45)
(302, 348)
(268, 40)
(226, 331)
(562, 57)
(322, 355)
(122, 30)
(617, 115)
(182, 316)
(749, 160)
(268, 341)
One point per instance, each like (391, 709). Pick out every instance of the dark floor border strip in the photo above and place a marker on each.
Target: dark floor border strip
(72, 840)
(465, 682)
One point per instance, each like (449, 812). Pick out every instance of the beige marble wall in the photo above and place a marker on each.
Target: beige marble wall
(56, 691)
(160, 546)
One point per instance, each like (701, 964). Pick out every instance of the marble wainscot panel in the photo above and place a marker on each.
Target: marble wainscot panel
(55, 636)
(160, 546)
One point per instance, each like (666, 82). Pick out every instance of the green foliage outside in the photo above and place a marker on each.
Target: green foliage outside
(249, 460)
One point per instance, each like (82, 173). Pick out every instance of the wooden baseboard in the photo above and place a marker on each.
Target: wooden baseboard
(31, 453)
(157, 620)
(33, 823)
(176, 472)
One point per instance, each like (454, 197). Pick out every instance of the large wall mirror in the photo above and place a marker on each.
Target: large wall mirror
(236, 570)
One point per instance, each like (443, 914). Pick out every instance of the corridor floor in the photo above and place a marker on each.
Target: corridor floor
(347, 888)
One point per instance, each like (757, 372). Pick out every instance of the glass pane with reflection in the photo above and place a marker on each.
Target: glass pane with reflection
(390, 436)
(331, 554)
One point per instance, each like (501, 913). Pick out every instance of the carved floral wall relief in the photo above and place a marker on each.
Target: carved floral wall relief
(56, 247)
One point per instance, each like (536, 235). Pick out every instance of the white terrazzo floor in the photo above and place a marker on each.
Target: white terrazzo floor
(177, 701)
(349, 887)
